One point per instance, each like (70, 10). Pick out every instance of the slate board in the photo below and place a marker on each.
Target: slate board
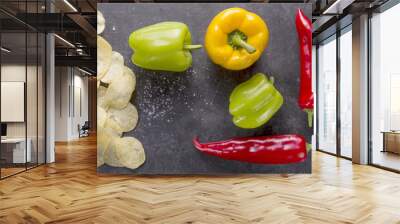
(175, 107)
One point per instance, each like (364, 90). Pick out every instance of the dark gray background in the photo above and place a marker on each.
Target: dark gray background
(175, 107)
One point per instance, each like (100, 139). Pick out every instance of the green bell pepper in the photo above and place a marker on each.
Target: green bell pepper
(163, 46)
(254, 102)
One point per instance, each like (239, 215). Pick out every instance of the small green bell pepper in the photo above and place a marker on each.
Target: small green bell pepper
(254, 102)
(163, 46)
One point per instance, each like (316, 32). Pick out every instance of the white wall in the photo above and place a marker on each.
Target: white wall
(62, 81)
(80, 109)
(33, 126)
(12, 73)
(70, 83)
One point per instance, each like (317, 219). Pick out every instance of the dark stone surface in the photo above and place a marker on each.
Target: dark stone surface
(173, 108)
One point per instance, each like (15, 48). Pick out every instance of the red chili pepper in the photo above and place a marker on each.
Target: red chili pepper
(304, 31)
(278, 149)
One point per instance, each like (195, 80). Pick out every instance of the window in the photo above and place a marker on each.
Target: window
(346, 92)
(327, 95)
(385, 89)
(334, 106)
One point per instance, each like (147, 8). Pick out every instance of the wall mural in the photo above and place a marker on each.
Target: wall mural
(218, 88)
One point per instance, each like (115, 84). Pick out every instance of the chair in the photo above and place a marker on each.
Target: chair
(84, 130)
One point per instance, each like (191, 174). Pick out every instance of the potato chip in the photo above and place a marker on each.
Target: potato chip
(130, 72)
(125, 152)
(104, 52)
(115, 113)
(101, 22)
(104, 137)
(112, 125)
(101, 116)
(116, 68)
(120, 90)
(101, 102)
(101, 92)
(123, 120)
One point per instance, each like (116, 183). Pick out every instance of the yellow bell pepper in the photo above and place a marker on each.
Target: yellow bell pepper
(236, 38)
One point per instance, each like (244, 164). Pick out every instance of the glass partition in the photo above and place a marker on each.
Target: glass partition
(13, 94)
(41, 97)
(31, 98)
(23, 90)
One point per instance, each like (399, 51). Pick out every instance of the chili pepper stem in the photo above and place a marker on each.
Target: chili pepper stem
(310, 113)
(196, 143)
(239, 42)
(192, 46)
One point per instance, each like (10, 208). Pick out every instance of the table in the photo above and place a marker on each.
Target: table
(391, 141)
(18, 151)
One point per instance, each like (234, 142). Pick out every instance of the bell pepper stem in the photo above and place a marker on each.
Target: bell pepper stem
(192, 46)
(272, 79)
(309, 147)
(238, 41)
(309, 116)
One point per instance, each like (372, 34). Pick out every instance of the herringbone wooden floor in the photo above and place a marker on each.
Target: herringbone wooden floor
(70, 191)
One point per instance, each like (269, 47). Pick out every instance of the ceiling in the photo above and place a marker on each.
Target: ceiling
(321, 20)
(75, 22)
(16, 42)
(331, 15)
(72, 20)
